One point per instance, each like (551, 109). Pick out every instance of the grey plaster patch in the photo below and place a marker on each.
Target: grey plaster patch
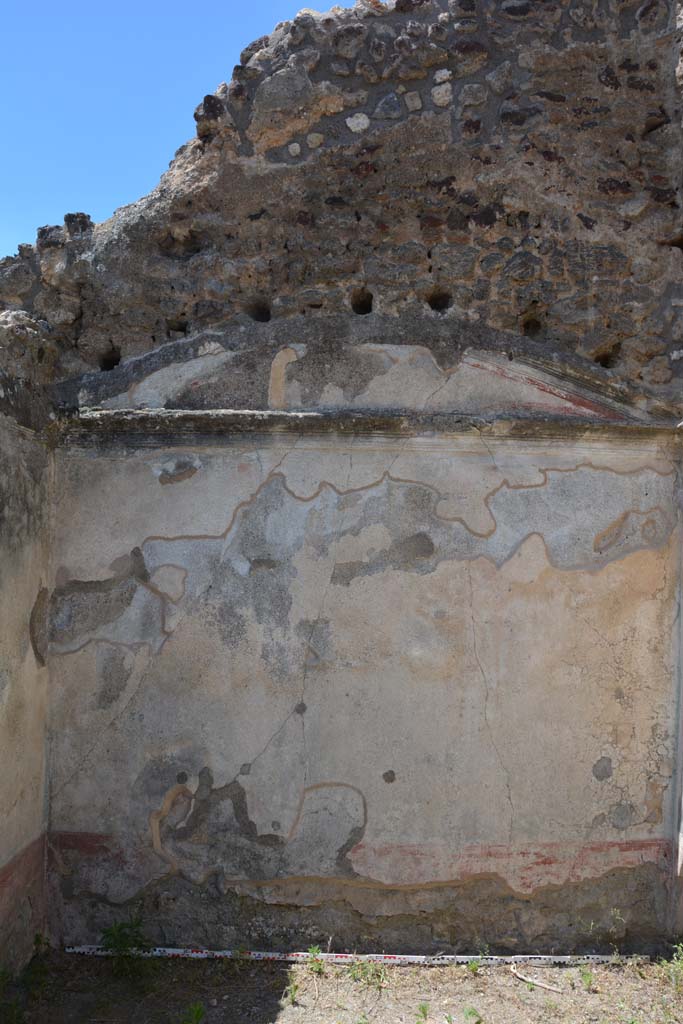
(80, 607)
(602, 769)
(177, 471)
(231, 623)
(161, 772)
(114, 666)
(404, 553)
(279, 656)
(317, 636)
(339, 368)
(622, 815)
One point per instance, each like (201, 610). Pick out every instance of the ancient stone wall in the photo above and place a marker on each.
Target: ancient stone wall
(363, 610)
(24, 528)
(499, 173)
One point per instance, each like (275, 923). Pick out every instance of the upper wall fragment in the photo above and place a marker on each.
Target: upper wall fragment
(435, 178)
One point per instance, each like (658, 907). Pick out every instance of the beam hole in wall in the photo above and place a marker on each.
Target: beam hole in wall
(177, 326)
(110, 359)
(654, 121)
(532, 321)
(439, 300)
(532, 327)
(608, 356)
(258, 310)
(311, 306)
(181, 247)
(362, 302)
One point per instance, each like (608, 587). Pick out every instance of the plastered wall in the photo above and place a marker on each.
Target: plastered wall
(409, 691)
(394, 656)
(24, 530)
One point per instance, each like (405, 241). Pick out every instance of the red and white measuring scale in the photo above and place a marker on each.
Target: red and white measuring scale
(391, 959)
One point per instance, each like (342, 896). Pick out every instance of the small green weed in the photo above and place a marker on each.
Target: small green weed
(618, 921)
(35, 975)
(422, 1013)
(194, 1014)
(472, 1015)
(316, 964)
(675, 967)
(123, 940)
(474, 966)
(369, 974)
(6, 979)
(238, 961)
(12, 1013)
(587, 979)
(290, 993)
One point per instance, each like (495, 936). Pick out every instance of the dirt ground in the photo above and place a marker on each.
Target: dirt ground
(62, 989)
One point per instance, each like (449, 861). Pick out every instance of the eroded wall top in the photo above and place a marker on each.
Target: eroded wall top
(450, 175)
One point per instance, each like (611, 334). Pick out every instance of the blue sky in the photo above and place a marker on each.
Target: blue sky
(96, 97)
